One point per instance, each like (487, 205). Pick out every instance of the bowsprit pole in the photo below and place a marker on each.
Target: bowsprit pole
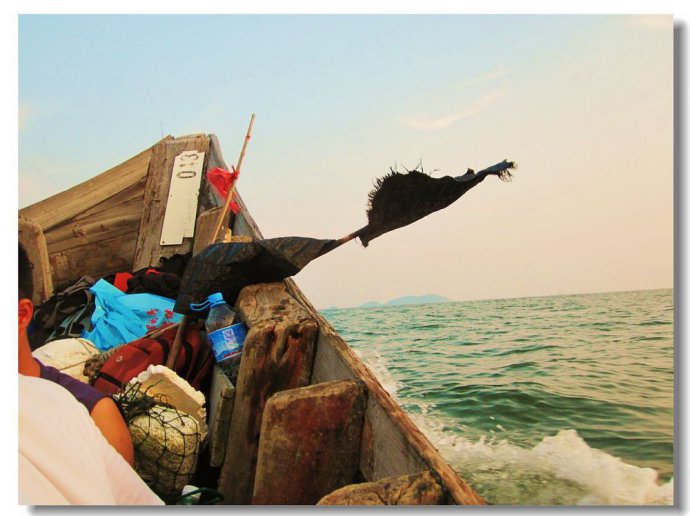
(182, 328)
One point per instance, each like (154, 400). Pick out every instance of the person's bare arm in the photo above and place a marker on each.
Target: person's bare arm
(113, 427)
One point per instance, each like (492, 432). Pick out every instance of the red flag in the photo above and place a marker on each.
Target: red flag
(222, 181)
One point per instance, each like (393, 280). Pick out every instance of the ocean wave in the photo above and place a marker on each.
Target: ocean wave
(560, 470)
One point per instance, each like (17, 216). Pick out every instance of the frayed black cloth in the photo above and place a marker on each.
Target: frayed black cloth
(398, 200)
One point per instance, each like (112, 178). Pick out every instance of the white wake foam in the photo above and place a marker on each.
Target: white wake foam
(379, 366)
(561, 469)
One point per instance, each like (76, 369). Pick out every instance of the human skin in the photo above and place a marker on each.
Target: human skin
(104, 413)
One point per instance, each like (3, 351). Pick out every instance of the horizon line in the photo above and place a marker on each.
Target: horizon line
(384, 305)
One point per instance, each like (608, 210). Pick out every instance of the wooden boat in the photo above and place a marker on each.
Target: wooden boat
(307, 418)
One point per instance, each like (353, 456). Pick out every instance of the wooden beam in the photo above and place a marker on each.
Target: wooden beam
(220, 401)
(277, 355)
(148, 249)
(117, 221)
(269, 303)
(244, 222)
(208, 196)
(205, 226)
(134, 193)
(112, 255)
(309, 443)
(34, 243)
(66, 205)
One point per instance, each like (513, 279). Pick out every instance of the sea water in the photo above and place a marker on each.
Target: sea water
(542, 400)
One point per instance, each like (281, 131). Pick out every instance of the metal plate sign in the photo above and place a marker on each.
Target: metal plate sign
(180, 212)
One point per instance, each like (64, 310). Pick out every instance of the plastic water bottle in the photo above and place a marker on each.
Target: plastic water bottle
(226, 338)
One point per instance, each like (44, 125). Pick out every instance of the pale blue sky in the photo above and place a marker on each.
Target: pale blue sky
(584, 104)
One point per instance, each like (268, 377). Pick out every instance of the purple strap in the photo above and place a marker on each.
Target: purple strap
(85, 394)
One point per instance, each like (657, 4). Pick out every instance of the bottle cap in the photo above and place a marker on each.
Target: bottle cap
(216, 298)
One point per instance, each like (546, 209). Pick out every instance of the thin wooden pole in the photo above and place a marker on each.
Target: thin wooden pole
(177, 343)
(182, 328)
(226, 204)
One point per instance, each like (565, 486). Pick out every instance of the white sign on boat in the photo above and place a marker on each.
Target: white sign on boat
(180, 213)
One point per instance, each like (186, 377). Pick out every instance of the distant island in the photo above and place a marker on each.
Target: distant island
(405, 300)
(408, 300)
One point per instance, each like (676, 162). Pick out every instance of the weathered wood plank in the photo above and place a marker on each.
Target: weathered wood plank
(112, 255)
(241, 225)
(386, 451)
(128, 196)
(245, 226)
(419, 489)
(269, 302)
(220, 401)
(240, 238)
(65, 205)
(309, 443)
(208, 196)
(117, 221)
(328, 363)
(205, 225)
(148, 249)
(34, 243)
(278, 355)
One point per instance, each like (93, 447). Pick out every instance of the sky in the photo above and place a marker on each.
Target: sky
(583, 104)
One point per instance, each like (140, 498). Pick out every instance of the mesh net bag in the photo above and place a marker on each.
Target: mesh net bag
(166, 441)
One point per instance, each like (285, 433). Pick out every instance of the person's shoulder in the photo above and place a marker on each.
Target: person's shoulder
(30, 385)
(41, 394)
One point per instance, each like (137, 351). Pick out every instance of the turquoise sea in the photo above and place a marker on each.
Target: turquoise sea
(541, 400)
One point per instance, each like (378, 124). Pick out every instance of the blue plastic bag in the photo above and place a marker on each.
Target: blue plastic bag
(120, 318)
